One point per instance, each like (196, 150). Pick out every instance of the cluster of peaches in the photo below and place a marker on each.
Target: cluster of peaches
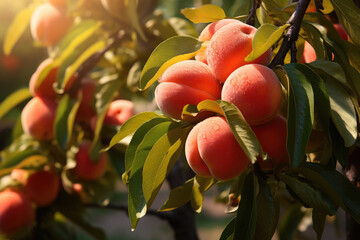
(219, 71)
(40, 187)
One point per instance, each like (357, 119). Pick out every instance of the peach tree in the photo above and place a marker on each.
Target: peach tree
(262, 104)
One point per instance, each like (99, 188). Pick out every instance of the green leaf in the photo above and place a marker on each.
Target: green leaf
(265, 37)
(300, 114)
(228, 232)
(17, 28)
(239, 127)
(265, 205)
(289, 222)
(13, 100)
(160, 160)
(315, 38)
(130, 126)
(204, 14)
(136, 141)
(201, 184)
(332, 68)
(167, 53)
(240, 7)
(132, 6)
(29, 162)
(319, 219)
(136, 175)
(247, 213)
(342, 108)
(336, 186)
(348, 14)
(306, 193)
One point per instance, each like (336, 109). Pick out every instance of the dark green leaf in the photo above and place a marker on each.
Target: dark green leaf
(266, 212)
(315, 38)
(228, 231)
(134, 18)
(319, 219)
(289, 222)
(336, 186)
(13, 100)
(300, 114)
(306, 193)
(130, 126)
(247, 213)
(240, 7)
(167, 53)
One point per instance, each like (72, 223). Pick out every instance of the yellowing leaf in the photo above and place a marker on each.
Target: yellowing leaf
(328, 7)
(17, 28)
(204, 14)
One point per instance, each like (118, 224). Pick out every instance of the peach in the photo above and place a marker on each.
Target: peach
(207, 33)
(45, 89)
(38, 117)
(86, 168)
(42, 187)
(211, 144)
(256, 91)
(16, 212)
(58, 2)
(228, 48)
(119, 112)
(86, 111)
(49, 23)
(341, 30)
(309, 54)
(185, 82)
(272, 137)
(19, 175)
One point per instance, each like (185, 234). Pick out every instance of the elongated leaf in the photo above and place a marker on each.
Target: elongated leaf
(228, 231)
(246, 214)
(15, 158)
(13, 100)
(289, 222)
(179, 196)
(17, 28)
(131, 126)
(201, 184)
(265, 37)
(300, 114)
(170, 51)
(161, 158)
(240, 7)
(204, 14)
(34, 161)
(342, 108)
(265, 206)
(315, 38)
(136, 141)
(307, 194)
(240, 128)
(136, 175)
(319, 219)
(132, 6)
(348, 13)
(336, 186)
(332, 68)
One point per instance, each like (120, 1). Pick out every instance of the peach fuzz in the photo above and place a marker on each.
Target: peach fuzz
(272, 137)
(45, 89)
(86, 111)
(119, 112)
(42, 187)
(185, 82)
(49, 23)
(37, 118)
(217, 148)
(16, 212)
(207, 33)
(86, 168)
(256, 91)
(228, 48)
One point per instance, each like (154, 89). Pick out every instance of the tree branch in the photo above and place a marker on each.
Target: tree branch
(251, 18)
(292, 34)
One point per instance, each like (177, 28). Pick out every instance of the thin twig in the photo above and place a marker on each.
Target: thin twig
(251, 18)
(292, 34)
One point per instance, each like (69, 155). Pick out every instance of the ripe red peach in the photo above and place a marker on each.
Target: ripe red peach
(16, 212)
(86, 110)
(45, 89)
(49, 23)
(86, 168)
(119, 112)
(228, 48)
(207, 33)
(42, 187)
(272, 137)
(309, 54)
(256, 91)
(211, 144)
(185, 82)
(38, 117)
